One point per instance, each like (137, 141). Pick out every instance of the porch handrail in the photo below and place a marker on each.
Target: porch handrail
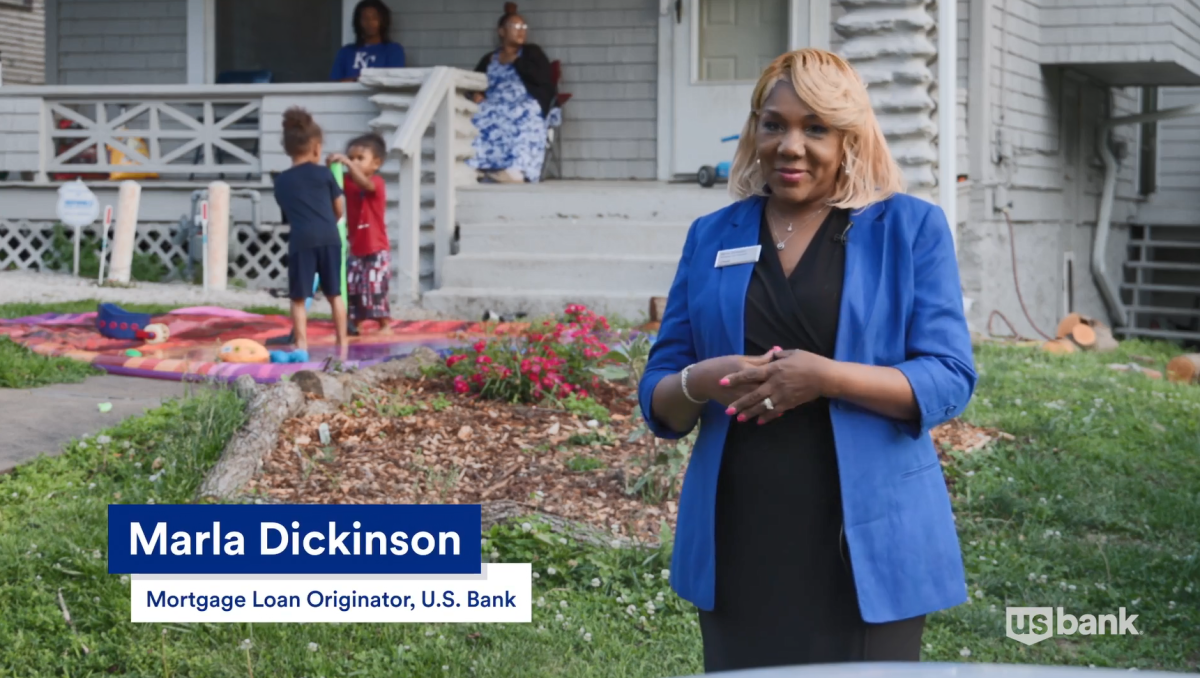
(433, 92)
(434, 104)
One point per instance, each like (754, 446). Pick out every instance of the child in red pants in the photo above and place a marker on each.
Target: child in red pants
(369, 268)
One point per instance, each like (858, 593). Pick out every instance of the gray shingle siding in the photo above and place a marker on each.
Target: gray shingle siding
(22, 43)
(1102, 31)
(1179, 155)
(609, 53)
(19, 125)
(126, 42)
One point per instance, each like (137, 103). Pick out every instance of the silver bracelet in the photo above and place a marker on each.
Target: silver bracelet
(683, 383)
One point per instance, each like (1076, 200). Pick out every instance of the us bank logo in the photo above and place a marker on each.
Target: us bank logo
(1030, 625)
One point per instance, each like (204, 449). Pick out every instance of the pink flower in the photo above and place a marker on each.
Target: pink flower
(454, 360)
(483, 360)
(460, 385)
(479, 346)
(477, 378)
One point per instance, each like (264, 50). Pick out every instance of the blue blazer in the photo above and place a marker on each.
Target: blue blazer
(902, 307)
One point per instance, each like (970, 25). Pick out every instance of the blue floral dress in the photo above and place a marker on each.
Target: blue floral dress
(512, 132)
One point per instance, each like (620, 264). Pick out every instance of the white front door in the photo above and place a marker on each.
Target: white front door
(719, 49)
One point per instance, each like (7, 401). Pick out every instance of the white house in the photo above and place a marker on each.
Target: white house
(655, 85)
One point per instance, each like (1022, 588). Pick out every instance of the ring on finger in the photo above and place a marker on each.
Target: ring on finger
(768, 404)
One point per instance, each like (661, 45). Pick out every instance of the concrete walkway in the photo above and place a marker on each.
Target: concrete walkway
(43, 420)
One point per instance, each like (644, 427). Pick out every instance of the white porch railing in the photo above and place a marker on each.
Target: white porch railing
(179, 136)
(153, 132)
(438, 104)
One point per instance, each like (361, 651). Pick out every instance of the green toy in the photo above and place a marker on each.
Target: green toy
(339, 174)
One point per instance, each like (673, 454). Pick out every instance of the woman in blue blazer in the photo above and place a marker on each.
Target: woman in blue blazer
(815, 332)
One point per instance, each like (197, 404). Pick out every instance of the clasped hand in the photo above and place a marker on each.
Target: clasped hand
(789, 379)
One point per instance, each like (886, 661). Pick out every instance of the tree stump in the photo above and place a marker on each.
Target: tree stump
(1184, 369)
(1059, 346)
(1080, 331)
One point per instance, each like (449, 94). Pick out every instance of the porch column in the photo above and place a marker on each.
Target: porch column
(888, 42)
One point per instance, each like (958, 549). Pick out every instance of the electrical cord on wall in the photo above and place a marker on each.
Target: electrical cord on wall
(1012, 243)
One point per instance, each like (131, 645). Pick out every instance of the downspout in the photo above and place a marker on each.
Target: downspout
(1112, 299)
(1108, 290)
(947, 46)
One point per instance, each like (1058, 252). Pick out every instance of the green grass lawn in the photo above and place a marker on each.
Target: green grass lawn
(22, 368)
(1094, 506)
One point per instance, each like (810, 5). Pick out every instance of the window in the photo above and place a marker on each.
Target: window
(20, 4)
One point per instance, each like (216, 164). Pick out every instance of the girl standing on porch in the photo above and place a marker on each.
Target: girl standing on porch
(373, 46)
(511, 145)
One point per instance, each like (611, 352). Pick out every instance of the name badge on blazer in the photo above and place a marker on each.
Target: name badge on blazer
(740, 255)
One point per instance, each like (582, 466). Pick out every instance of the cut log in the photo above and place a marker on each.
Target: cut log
(1105, 341)
(658, 306)
(1184, 369)
(320, 384)
(269, 407)
(1060, 346)
(243, 456)
(1084, 336)
(1067, 324)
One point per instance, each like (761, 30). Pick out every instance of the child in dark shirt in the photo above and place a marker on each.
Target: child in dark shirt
(369, 269)
(309, 197)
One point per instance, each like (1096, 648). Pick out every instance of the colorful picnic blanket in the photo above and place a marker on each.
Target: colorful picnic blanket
(197, 333)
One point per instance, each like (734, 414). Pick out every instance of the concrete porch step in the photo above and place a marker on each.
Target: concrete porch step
(588, 200)
(536, 303)
(574, 237)
(604, 274)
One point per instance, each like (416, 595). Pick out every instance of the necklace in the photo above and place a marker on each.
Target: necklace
(780, 244)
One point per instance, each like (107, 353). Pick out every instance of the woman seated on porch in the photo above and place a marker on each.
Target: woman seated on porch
(511, 145)
(373, 46)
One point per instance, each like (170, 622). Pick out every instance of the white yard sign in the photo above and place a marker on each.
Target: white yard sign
(77, 208)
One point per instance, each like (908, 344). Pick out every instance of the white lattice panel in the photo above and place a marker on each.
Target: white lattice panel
(258, 258)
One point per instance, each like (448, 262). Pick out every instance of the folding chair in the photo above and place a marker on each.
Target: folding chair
(553, 122)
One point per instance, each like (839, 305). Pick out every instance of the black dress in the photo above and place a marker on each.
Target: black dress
(785, 593)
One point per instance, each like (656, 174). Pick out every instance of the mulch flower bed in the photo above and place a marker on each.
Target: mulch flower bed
(425, 441)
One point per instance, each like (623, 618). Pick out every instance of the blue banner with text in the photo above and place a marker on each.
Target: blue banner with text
(294, 539)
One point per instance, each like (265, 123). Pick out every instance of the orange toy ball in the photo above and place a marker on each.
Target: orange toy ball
(243, 351)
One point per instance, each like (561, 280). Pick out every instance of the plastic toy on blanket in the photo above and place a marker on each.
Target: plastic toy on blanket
(114, 322)
(243, 351)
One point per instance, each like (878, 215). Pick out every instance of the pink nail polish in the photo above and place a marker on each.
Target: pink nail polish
(725, 382)
(731, 411)
(741, 418)
(761, 422)
(776, 349)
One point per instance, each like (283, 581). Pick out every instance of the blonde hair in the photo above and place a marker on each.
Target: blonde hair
(835, 92)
